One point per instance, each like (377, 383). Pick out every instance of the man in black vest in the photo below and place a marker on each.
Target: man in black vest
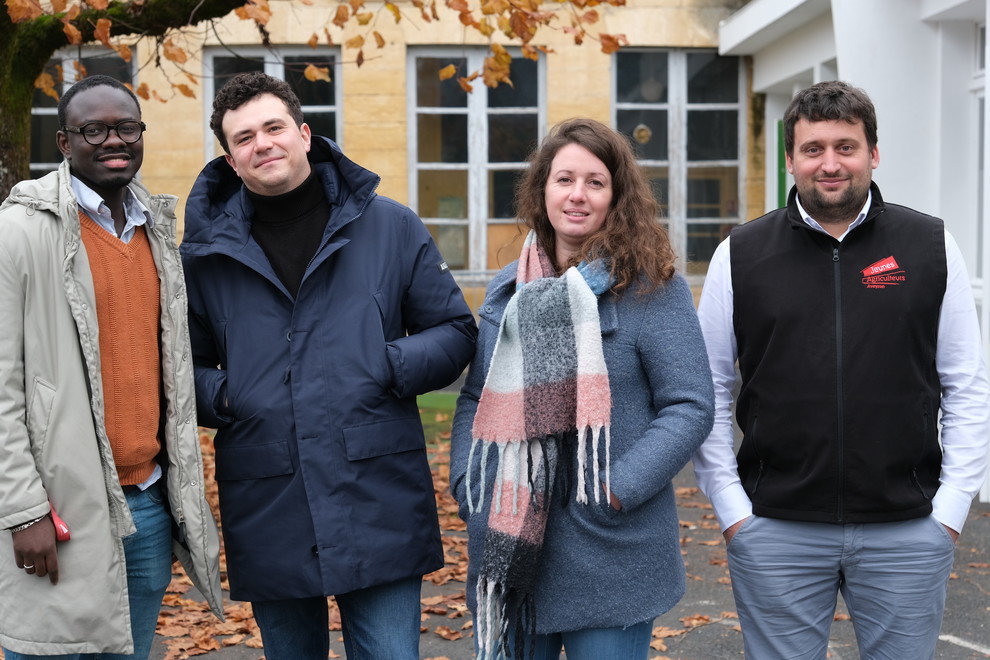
(854, 326)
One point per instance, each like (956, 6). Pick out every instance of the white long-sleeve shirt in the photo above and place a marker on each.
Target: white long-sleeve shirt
(959, 361)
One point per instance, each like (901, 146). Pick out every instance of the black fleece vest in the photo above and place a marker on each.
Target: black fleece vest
(836, 345)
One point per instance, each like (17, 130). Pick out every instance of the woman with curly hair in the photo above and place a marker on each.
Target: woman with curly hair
(589, 391)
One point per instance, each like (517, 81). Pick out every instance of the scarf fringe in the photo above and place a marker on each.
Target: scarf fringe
(525, 457)
(499, 610)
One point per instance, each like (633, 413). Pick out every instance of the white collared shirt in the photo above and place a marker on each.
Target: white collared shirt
(965, 403)
(136, 214)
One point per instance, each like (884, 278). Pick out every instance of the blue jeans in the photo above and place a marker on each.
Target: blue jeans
(786, 577)
(378, 622)
(148, 554)
(629, 643)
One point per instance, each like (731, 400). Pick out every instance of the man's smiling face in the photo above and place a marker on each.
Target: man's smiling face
(109, 166)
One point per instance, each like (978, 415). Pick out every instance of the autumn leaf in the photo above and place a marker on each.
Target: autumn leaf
(72, 33)
(102, 31)
(314, 73)
(465, 85)
(72, 14)
(124, 51)
(447, 633)
(330, 41)
(46, 84)
(695, 620)
(394, 10)
(447, 72)
(99, 5)
(612, 43)
(379, 39)
(174, 52)
(314, 41)
(356, 5)
(23, 10)
(589, 17)
(184, 89)
(342, 16)
(256, 10)
(364, 17)
(354, 42)
(58, 6)
(359, 60)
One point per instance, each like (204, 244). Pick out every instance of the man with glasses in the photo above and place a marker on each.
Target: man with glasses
(97, 406)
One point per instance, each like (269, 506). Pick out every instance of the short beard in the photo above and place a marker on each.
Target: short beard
(829, 211)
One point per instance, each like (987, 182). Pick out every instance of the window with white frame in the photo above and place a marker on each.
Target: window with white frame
(319, 99)
(681, 109)
(65, 68)
(466, 152)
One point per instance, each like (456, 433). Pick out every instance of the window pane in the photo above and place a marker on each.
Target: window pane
(712, 79)
(225, 68)
(501, 190)
(322, 123)
(504, 244)
(442, 139)
(702, 239)
(523, 91)
(108, 65)
(443, 193)
(452, 240)
(511, 137)
(648, 130)
(713, 192)
(641, 77)
(431, 92)
(309, 92)
(660, 182)
(713, 135)
(43, 147)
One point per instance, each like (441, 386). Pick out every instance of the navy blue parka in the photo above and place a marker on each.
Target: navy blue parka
(321, 462)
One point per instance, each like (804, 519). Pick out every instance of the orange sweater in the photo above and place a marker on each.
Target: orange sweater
(128, 310)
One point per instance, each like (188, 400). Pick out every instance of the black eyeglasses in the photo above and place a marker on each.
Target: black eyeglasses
(96, 132)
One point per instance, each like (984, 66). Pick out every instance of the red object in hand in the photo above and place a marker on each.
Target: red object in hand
(61, 529)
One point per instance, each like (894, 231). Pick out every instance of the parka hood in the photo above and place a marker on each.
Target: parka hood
(218, 202)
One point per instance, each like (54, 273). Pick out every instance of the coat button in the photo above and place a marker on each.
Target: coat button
(288, 336)
(315, 550)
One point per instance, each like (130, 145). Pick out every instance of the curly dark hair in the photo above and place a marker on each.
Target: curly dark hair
(90, 82)
(631, 239)
(245, 87)
(832, 100)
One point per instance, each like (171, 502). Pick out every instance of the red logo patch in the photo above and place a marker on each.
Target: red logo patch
(883, 273)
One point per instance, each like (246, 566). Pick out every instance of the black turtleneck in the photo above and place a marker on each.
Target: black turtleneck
(289, 228)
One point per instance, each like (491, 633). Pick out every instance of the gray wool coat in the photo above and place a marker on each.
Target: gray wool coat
(600, 567)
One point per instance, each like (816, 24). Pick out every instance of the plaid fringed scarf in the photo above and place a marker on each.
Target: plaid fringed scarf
(547, 379)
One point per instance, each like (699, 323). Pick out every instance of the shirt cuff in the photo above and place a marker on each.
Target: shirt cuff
(731, 505)
(950, 507)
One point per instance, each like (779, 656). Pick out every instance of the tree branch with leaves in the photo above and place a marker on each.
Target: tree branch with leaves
(32, 32)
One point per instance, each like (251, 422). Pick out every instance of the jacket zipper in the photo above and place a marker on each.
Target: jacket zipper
(838, 384)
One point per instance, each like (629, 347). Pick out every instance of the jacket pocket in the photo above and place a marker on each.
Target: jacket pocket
(382, 438)
(270, 459)
(39, 410)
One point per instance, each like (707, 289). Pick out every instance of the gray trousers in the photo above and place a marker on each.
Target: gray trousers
(786, 577)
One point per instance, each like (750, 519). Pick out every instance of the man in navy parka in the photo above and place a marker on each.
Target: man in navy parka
(318, 311)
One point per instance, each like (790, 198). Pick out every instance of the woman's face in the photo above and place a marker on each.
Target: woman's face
(578, 195)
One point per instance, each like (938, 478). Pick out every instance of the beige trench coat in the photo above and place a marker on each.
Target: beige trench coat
(53, 443)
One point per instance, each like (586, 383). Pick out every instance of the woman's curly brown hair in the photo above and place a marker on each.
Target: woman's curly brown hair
(631, 239)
